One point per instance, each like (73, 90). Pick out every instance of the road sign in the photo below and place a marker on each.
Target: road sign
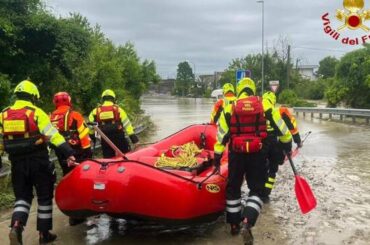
(274, 85)
(240, 74)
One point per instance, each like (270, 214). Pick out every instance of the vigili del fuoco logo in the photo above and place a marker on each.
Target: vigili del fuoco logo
(352, 17)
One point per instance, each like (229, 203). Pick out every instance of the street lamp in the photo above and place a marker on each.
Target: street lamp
(263, 51)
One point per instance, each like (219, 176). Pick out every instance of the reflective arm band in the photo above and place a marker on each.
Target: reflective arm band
(83, 133)
(219, 148)
(55, 138)
(125, 122)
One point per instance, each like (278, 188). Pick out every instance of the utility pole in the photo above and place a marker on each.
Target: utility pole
(263, 40)
(288, 67)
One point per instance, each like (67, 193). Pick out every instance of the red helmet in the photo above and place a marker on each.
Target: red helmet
(62, 98)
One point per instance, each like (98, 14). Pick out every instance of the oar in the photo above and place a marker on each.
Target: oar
(303, 192)
(296, 150)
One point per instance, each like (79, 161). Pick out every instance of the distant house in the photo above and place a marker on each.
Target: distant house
(308, 71)
(211, 81)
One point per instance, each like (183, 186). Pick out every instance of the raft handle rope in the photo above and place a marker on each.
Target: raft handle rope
(105, 164)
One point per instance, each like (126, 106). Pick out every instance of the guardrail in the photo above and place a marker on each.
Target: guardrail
(342, 113)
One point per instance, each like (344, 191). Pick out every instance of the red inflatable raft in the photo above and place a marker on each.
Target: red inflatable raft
(134, 189)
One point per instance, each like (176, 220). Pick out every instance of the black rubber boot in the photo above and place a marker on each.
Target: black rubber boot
(265, 199)
(15, 234)
(247, 233)
(46, 237)
(234, 229)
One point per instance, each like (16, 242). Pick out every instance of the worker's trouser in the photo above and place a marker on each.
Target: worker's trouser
(119, 140)
(253, 168)
(275, 157)
(28, 171)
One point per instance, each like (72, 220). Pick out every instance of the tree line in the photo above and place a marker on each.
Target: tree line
(67, 54)
(344, 81)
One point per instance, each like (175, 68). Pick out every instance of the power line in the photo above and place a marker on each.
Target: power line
(320, 49)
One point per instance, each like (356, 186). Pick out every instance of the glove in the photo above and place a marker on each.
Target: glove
(71, 161)
(134, 139)
(297, 140)
(217, 162)
(287, 147)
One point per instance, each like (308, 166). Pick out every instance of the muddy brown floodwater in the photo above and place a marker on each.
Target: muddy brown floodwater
(334, 160)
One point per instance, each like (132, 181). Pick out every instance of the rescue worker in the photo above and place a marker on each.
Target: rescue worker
(243, 125)
(229, 96)
(276, 128)
(114, 122)
(24, 129)
(72, 126)
(291, 123)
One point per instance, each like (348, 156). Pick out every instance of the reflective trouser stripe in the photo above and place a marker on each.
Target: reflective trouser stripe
(234, 209)
(254, 205)
(21, 202)
(44, 211)
(268, 185)
(44, 216)
(254, 202)
(256, 199)
(45, 208)
(22, 206)
(233, 202)
(21, 209)
(233, 206)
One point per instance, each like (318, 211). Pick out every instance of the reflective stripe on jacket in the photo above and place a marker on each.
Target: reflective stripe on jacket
(289, 120)
(129, 129)
(219, 106)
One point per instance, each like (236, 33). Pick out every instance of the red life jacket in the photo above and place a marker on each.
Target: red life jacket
(61, 121)
(247, 125)
(108, 118)
(20, 130)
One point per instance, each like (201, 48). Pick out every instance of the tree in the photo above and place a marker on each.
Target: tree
(185, 78)
(67, 54)
(352, 80)
(327, 67)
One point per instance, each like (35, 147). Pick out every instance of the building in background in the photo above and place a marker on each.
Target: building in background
(308, 71)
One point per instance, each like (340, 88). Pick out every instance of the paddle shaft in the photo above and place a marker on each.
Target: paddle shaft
(109, 142)
(291, 163)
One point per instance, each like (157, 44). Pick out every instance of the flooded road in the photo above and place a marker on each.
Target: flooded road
(334, 160)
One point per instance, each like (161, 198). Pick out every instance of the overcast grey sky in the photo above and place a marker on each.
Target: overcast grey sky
(210, 33)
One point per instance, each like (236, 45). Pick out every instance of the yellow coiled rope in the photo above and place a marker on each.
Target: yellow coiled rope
(182, 156)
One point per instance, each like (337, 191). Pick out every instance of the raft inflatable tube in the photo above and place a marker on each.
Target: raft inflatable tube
(134, 189)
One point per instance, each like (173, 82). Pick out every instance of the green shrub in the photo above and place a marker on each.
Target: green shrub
(289, 97)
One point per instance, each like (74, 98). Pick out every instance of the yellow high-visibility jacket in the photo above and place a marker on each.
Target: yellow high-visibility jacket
(129, 129)
(219, 106)
(43, 123)
(223, 126)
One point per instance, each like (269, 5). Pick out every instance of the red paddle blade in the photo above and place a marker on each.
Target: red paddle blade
(305, 197)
